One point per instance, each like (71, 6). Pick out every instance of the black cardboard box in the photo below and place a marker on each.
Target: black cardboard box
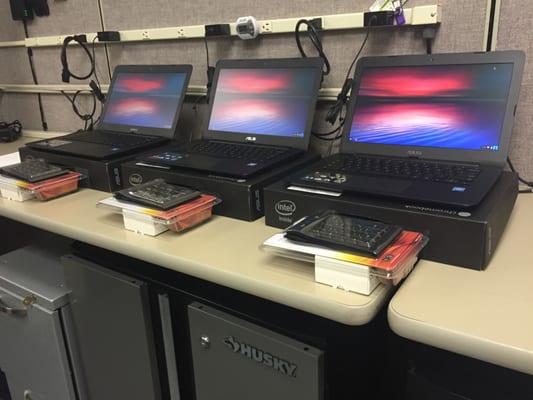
(102, 175)
(465, 238)
(241, 199)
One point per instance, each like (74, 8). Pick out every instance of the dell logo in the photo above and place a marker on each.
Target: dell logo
(250, 138)
(285, 207)
(414, 152)
(135, 179)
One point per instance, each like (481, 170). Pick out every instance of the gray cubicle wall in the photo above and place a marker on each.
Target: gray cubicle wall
(515, 32)
(463, 28)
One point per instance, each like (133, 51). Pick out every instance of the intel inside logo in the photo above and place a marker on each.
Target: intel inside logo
(135, 179)
(285, 207)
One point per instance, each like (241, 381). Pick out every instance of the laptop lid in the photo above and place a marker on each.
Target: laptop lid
(264, 101)
(145, 99)
(454, 107)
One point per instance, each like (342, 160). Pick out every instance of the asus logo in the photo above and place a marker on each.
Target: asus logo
(250, 138)
(134, 130)
(414, 152)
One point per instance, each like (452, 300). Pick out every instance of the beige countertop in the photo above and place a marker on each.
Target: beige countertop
(487, 315)
(223, 250)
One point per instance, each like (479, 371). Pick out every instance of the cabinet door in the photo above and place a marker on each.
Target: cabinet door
(113, 332)
(32, 351)
(235, 359)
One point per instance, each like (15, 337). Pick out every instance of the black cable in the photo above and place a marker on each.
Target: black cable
(15, 125)
(35, 81)
(66, 73)
(84, 117)
(530, 184)
(342, 97)
(428, 34)
(210, 71)
(315, 40)
(95, 84)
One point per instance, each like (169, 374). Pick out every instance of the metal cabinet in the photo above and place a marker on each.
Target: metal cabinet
(235, 359)
(35, 327)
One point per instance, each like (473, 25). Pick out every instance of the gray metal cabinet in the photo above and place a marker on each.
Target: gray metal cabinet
(234, 359)
(113, 331)
(34, 327)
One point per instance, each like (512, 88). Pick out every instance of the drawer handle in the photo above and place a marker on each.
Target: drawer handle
(21, 312)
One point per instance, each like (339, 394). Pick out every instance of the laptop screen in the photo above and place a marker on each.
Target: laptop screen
(457, 106)
(272, 101)
(145, 99)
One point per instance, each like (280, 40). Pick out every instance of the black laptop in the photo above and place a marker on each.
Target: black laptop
(425, 128)
(141, 111)
(260, 115)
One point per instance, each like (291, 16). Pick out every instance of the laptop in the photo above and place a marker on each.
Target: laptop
(259, 116)
(141, 111)
(424, 128)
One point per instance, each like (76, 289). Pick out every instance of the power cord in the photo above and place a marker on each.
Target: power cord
(35, 81)
(10, 131)
(210, 71)
(312, 33)
(66, 74)
(87, 118)
(527, 183)
(428, 34)
(343, 96)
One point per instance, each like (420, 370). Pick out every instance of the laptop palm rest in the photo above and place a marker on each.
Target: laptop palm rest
(359, 183)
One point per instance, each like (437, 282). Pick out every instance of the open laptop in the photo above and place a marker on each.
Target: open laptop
(260, 115)
(141, 111)
(455, 110)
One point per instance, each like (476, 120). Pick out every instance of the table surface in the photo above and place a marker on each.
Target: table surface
(486, 315)
(223, 250)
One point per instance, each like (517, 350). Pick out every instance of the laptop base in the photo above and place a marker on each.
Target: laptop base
(104, 175)
(465, 238)
(241, 198)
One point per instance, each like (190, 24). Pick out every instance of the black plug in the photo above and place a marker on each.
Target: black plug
(97, 92)
(428, 34)
(108, 36)
(21, 10)
(217, 30)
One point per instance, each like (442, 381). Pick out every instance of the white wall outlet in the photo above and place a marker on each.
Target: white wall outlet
(145, 35)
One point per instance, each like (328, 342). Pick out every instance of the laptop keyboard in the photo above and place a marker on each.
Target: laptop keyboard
(404, 168)
(236, 150)
(110, 138)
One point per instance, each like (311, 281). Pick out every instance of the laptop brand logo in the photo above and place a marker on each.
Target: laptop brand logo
(261, 356)
(135, 179)
(414, 152)
(250, 138)
(134, 130)
(285, 207)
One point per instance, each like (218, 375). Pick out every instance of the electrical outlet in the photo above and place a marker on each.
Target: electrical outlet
(145, 35)
(266, 27)
(181, 33)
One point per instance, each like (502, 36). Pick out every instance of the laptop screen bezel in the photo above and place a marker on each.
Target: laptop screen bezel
(313, 63)
(498, 157)
(167, 133)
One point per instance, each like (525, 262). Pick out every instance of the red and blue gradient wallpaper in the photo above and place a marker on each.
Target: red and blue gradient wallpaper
(459, 106)
(263, 101)
(148, 100)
